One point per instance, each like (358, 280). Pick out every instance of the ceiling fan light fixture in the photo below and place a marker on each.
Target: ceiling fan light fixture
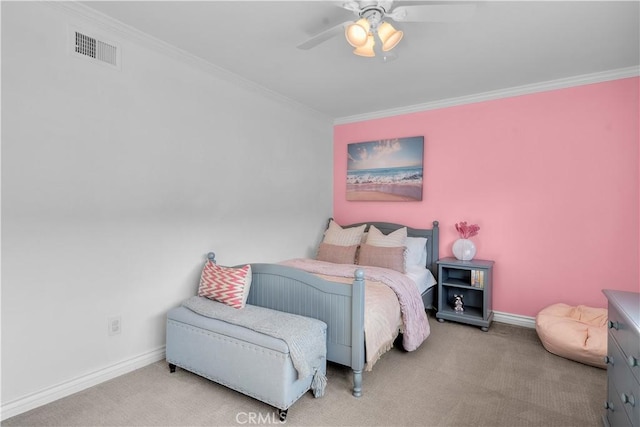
(357, 33)
(367, 49)
(389, 36)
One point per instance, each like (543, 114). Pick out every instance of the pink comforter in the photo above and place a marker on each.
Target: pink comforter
(414, 318)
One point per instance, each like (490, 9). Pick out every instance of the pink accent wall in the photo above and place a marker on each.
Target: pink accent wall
(551, 178)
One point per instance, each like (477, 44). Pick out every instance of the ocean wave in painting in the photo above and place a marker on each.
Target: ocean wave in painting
(402, 175)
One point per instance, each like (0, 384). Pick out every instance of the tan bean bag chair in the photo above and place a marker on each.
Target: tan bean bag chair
(576, 333)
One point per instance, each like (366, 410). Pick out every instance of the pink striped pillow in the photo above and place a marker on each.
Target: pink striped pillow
(228, 285)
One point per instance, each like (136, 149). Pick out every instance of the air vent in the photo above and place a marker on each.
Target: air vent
(93, 48)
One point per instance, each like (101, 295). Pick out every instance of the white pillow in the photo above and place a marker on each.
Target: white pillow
(336, 235)
(395, 239)
(416, 251)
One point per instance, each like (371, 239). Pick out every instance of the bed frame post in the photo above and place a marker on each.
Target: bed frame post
(357, 331)
(435, 249)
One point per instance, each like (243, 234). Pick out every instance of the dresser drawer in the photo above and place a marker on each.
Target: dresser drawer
(616, 415)
(625, 335)
(626, 386)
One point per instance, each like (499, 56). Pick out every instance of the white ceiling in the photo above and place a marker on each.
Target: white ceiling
(506, 44)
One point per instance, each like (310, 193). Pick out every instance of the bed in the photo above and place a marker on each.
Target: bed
(338, 302)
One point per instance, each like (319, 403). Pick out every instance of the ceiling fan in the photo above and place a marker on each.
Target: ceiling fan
(372, 24)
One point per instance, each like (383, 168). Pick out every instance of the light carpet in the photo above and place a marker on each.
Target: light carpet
(460, 376)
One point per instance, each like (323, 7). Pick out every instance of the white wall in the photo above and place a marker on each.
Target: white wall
(115, 184)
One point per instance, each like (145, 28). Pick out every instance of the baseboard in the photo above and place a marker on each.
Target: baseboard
(67, 388)
(514, 319)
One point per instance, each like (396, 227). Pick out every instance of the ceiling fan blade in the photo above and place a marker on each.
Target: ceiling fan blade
(324, 36)
(433, 13)
(353, 6)
(387, 56)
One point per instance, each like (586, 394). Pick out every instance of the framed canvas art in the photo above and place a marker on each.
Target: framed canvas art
(385, 170)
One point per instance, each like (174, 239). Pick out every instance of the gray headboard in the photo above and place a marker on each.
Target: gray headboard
(432, 235)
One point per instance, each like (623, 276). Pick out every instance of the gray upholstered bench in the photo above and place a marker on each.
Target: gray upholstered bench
(249, 361)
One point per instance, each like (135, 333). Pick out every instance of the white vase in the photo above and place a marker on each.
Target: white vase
(464, 249)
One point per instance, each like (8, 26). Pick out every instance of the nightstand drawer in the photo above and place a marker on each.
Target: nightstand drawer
(626, 337)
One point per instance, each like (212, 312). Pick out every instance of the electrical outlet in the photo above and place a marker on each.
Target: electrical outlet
(114, 325)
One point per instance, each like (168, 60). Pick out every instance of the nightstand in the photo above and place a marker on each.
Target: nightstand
(472, 280)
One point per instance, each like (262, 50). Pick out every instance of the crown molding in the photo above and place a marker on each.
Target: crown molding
(498, 94)
(113, 26)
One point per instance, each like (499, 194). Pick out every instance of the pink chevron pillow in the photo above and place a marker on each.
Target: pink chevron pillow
(228, 285)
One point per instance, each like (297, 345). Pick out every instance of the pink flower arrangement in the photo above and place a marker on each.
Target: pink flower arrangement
(465, 231)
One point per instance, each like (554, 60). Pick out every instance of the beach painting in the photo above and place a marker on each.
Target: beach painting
(385, 170)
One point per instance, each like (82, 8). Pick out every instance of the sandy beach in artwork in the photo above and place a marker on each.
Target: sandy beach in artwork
(385, 170)
(384, 192)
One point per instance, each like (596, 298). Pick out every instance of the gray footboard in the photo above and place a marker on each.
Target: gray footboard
(339, 305)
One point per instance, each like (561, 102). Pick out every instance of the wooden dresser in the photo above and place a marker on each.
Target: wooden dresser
(623, 359)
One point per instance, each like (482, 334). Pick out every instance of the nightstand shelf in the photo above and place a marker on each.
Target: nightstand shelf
(469, 312)
(473, 281)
